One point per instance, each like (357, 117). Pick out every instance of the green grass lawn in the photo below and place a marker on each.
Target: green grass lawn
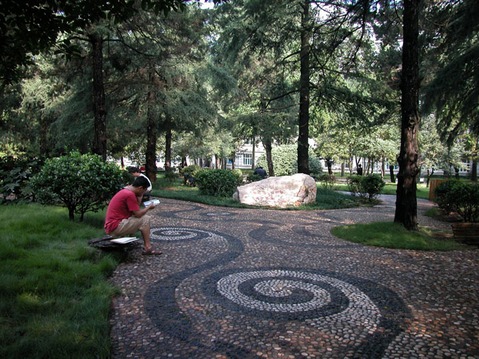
(393, 235)
(390, 189)
(55, 297)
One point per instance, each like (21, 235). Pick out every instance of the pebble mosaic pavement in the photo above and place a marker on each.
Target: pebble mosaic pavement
(237, 283)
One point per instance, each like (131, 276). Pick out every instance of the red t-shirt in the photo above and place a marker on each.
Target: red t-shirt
(121, 207)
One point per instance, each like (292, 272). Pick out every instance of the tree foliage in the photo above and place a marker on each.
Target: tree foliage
(452, 92)
(28, 29)
(313, 44)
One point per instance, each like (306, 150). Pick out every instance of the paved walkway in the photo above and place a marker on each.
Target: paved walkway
(236, 283)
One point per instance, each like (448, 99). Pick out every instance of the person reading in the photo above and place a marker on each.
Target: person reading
(135, 172)
(124, 215)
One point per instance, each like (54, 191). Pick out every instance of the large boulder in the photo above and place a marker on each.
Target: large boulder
(285, 191)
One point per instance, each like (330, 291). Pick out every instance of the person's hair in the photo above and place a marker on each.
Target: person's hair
(141, 182)
(133, 169)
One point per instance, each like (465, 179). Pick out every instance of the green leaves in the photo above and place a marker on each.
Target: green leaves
(461, 197)
(219, 183)
(369, 186)
(80, 182)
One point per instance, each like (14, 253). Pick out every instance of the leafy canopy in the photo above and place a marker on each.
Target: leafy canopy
(28, 29)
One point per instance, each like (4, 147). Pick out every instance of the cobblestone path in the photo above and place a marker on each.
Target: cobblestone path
(236, 283)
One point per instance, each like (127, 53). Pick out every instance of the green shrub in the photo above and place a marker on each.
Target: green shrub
(372, 185)
(239, 176)
(170, 175)
(219, 183)
(15, 175)
(315, 167)
(354, 185)
(445, 196)
(191, 170)
(460, 197)
(81, 182)
(253, 178)
(369, 186)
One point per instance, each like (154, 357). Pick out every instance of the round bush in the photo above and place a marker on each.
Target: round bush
(219, 183)
(369, 186)
(81, 182)
(239, 176)
(372, 184)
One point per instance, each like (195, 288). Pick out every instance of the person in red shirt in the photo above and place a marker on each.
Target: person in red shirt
(124, 215)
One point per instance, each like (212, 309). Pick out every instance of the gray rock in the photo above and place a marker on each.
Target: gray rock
(285, 191)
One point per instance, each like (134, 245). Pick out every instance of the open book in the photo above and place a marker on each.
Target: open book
(149, 203)
(124, 240)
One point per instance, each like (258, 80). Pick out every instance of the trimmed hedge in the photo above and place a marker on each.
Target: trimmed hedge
(216, 182)
(461, 197)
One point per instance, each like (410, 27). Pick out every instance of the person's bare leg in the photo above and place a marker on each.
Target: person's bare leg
(145, 233)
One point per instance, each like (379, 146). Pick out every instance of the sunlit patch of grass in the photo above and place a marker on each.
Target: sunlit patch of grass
(394, 235)
(390, 189)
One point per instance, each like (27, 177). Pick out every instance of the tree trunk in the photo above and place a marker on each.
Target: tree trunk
(71, 213)
(391, 173)
(406, 201)
(253, 162)
(474, 170)
(99, 108)
(303, 121)
(168, 146)
(151, 135)
(268, 147)
(475, 157)
(329, 164)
